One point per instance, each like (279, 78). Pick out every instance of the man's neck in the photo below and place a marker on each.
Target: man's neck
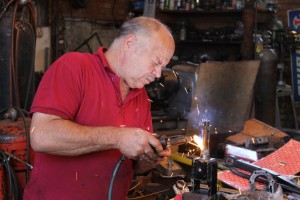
(124, 89)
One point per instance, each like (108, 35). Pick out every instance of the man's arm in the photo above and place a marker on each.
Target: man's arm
(54, 135)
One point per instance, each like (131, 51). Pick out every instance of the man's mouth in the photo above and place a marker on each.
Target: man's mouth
(148, 80)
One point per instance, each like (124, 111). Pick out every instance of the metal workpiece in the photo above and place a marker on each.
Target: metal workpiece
(272, 183)
(204, 172)
(205, 135)
(204, 168)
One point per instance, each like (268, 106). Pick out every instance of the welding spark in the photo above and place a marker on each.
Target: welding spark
(194, 144)
(216, 131)
(150, 100)
(186, 90)
(161, 85)
(198, 110)
(32, 129)
(175, 74)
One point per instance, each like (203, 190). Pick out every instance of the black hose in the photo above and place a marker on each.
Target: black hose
(114, 176)
(13, 183)
(20, 111)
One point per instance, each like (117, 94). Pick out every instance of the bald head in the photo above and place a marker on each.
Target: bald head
(143, 26)
(142, 49)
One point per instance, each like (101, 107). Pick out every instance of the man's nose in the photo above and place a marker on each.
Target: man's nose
(157, 71)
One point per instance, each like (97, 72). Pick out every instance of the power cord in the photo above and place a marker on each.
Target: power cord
(13, 183)
(164, 140)
(114, 176)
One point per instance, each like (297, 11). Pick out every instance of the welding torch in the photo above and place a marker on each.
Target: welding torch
(165, 142)
(173, 140)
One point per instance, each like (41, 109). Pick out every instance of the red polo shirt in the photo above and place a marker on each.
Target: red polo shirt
(82, 88)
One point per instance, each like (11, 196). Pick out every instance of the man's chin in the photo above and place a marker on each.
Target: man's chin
(140, 86)
(137, 86)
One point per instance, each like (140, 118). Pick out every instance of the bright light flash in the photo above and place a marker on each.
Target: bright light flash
(199, 141)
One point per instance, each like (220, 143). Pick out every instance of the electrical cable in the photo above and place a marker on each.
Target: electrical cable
(14, 81)
(114, 176)
(27, 142)
(13, 183)
(5, 8)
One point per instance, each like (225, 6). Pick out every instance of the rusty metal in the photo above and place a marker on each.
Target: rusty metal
(13, 142)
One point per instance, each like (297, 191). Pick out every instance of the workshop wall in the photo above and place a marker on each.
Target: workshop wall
(81, 25)
(284, 6)
(74, 21)
(93, 9)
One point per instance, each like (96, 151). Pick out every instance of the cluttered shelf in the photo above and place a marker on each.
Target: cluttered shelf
(202, 12)
(205, 12)
(209, 42)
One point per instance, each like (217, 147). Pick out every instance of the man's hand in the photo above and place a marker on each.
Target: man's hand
(135, 142)
(143, 147)
(150, 160)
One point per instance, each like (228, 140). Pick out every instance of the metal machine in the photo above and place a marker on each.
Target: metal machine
(204, 168)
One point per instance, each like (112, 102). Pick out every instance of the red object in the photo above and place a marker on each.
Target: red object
(82, 88)
(13, 141)
(296, 22)
(284, 161)
(178, 197)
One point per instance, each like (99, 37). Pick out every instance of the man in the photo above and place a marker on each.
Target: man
(90, 109)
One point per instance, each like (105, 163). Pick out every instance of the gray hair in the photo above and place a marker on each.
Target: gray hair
(143, 26)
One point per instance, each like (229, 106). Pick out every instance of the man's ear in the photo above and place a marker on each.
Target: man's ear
(129, 42)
